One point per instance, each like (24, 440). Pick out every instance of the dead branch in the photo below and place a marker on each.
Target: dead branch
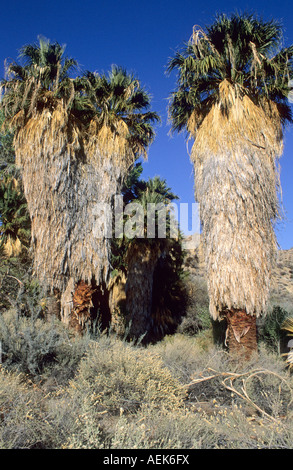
(13, 277)
(230, 377)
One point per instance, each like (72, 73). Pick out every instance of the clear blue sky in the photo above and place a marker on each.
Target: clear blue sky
(141, 36)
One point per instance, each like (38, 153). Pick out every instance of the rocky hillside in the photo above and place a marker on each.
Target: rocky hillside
(282, 279)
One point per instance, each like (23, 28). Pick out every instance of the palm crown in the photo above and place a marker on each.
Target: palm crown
(119, 103)
(243, 50)
(42, 78)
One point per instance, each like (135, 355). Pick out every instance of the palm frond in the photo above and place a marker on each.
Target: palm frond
(42, 77)
(242, 49)
(288, 326)
(121, 114)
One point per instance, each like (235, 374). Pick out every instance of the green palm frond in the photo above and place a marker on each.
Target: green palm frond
(119, 97)
(242, 49)
(41, 77)
(14, 216)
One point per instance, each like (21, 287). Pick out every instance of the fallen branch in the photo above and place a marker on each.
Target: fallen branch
(230, 377)
(13, 277)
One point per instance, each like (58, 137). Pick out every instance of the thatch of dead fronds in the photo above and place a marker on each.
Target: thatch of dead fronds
(234, 155)
(110, 149)
(61, 189)
(12, 247)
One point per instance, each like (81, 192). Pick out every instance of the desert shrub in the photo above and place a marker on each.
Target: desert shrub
(217, 428)
(262, 386)
(33, 341)
(23, 422)
(271, 392)
(171, 395)
(89, 435)
(164, 429)
(30, 417)
(270, 329)
(233, 428)
(184, 354)
(197, 315)
(188, 362)
(28, 343)
(40, 347)
(115, 375)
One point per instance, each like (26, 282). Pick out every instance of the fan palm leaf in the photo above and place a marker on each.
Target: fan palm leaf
(14, 218)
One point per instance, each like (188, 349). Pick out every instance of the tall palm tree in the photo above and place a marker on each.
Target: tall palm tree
(119, 131)
(40, 105)
(144, 307)
(231, 98)
(61, 131)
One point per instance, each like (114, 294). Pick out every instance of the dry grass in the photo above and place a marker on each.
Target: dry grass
(175, 395)
(116, 375)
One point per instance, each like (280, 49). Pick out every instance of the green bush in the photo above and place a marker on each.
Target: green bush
(270, 329)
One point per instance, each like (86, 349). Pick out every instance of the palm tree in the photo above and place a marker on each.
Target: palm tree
(119, 131)
(145, 309)
(44, 110)
(69, 144)
(231, 98)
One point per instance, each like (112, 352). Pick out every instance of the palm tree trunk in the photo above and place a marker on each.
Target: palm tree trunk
(142, 259)
(241, 334)
(117, 299)
(238, 203)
